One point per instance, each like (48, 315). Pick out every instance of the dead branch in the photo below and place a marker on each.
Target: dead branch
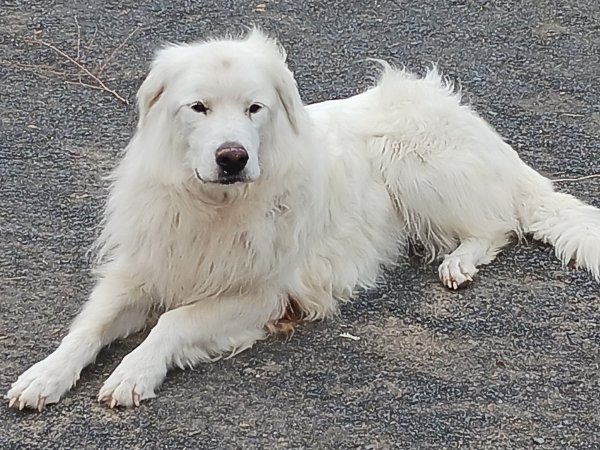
(116, 50)
(33, 67)
(78, 58)
(568, 114)
(82, 68)
(87, 85)
(586, 177)
(93, 39)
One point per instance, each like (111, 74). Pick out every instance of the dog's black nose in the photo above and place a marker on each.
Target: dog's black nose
(232, 158)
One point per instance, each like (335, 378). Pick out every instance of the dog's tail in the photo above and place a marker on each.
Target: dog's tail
(570, 225)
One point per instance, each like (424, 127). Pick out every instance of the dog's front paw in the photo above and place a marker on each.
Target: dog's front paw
(43, 383)
(455, 273)
(130, 383)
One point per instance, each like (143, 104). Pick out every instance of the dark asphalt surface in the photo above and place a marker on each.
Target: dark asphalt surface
(511, 362)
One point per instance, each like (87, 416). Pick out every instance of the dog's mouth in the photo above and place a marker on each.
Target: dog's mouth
(231, 179)
(224, 178)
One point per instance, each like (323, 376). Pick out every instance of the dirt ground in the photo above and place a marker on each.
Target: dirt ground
(511, 362)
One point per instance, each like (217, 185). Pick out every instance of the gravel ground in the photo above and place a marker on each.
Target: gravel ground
(511, 362)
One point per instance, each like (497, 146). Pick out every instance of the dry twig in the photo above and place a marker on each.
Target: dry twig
(78, 58)
(116, 50)
(33, 67)
(100, 84)
(586, 177)
(96, 83)
(93, 39)
(87, 85)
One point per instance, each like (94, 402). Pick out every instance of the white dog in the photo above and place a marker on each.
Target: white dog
(235, 203)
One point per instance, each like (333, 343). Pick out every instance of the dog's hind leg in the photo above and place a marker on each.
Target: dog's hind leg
(113, 311)
(460, 266)
(202, 331)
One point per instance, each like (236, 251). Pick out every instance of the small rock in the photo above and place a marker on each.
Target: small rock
(538, 440)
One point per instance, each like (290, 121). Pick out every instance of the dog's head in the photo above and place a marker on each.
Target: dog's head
(220, 101)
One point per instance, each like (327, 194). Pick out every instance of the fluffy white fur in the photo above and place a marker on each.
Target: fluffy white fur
(331, 192)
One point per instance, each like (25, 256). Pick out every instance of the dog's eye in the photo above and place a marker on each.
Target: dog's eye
(254, 108)
(199, 107)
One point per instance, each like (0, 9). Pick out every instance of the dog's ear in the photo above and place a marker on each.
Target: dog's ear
(285, 84)
(288, 94)
(155, 84)
(149, 93)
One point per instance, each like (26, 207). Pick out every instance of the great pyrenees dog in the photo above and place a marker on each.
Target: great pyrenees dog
(236, 208)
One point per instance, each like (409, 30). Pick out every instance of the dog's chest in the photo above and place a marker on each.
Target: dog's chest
(225, 255)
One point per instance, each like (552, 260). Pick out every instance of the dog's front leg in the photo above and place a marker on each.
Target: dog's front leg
(114, 310)
(202, 331)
